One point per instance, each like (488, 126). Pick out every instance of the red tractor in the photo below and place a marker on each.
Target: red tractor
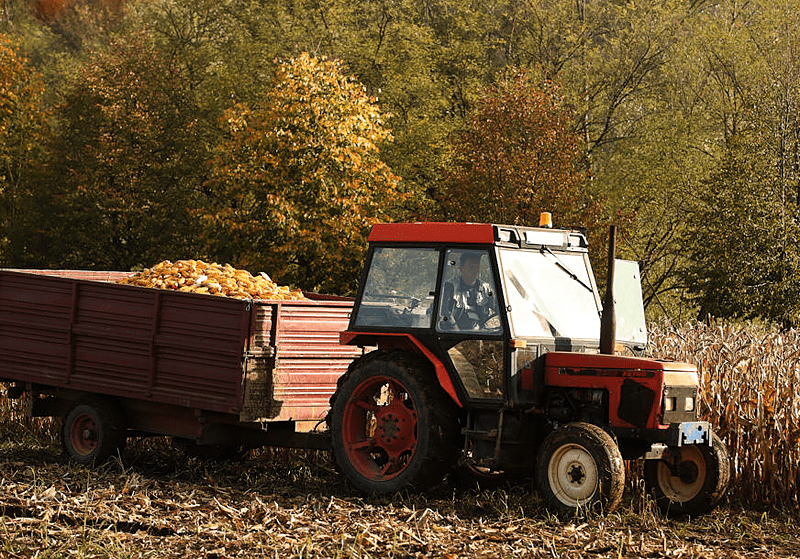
(484, 350)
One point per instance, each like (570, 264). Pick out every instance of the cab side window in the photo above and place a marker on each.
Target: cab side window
(468, 298)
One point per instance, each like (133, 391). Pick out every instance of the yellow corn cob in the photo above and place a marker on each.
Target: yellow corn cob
(197, 276)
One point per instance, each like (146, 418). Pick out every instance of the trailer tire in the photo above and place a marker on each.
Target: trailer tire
(579, 468)
(392, 426)
(92, 432)
(702, 480)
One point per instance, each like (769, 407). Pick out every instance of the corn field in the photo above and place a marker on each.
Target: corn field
(750, 391)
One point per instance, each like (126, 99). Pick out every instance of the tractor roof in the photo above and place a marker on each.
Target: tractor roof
(474, 233)
(431, 232)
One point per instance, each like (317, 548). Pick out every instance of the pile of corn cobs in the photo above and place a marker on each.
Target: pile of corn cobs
(197, 276)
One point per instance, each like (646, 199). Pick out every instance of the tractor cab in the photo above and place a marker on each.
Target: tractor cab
(486, 299)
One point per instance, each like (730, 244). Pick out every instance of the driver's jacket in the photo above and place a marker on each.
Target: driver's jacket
(466, 307)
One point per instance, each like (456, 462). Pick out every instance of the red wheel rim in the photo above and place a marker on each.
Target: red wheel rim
(83, 434)
(379, 428)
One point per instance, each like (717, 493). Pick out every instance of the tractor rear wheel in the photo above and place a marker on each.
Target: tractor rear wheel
(92, 432)
(392, 426)
(579, 467)
(695, 484)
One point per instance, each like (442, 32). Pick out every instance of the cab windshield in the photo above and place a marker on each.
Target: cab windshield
(550, 294)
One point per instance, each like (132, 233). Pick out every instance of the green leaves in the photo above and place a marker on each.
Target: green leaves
(744, 244)
(127, 159)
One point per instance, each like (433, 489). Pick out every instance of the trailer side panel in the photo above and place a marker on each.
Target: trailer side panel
(106, 338)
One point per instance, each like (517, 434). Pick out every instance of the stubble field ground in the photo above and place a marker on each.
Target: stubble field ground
(158, 502)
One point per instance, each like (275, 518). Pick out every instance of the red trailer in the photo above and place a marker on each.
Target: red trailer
(116, 361)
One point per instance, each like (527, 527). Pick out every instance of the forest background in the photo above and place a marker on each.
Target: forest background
(271, 134)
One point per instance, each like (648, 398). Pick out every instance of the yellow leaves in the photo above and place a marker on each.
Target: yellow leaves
(237, 124)
(196, 276)
(303, 179)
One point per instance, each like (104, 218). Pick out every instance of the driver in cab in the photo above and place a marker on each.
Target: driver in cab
(467, 301)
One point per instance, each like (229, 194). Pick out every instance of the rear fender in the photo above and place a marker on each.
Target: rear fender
(405, 342)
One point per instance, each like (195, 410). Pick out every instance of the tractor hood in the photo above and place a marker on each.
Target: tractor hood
(598, 361)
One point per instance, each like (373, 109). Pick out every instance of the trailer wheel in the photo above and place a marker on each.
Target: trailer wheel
(392, 427)
(92, 432)
(579, 467)
(693, 486)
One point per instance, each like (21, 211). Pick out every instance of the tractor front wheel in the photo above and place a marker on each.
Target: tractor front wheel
(392, 426)
(579, 467)
(692, 485)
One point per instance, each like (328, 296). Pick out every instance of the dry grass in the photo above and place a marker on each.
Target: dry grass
(156, 502)
(160, 504)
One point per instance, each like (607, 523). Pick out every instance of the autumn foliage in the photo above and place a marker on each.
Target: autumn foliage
(298, 182)
(20, 112)
(517, 156)
(22, 125)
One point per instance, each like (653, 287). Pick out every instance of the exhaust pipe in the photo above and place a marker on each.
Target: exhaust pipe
(608, 320)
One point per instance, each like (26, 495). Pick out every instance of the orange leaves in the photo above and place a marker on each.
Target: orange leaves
(20, 89)
(516, 157)
(22, 121)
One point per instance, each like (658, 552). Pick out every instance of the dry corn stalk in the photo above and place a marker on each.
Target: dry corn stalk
(196, 276)
(750, 391)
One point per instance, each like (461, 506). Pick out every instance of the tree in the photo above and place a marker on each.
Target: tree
(299, 180)
(744, 247)
(22, 127)
(664, 90)
(127, 161)
(517, 156)
(424, 61)
(746, 226)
